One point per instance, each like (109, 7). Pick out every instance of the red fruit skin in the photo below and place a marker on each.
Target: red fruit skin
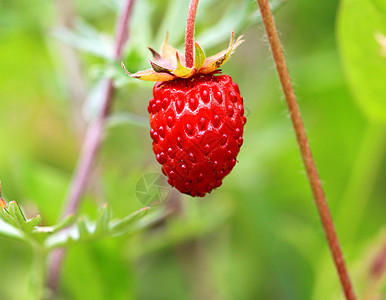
(197, 127)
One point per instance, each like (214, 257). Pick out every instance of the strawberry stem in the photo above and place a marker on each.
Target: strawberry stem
(309, 163)
(189, 35)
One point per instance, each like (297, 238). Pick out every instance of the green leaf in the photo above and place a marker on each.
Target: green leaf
(16, 213)
(126, 223)
(199, 59)
(83, 230)
(102, 222)
(31, 223)
(67, 221)
(8, 230)
(362, 56)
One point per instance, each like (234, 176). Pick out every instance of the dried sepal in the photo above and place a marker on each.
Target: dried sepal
(149, 75)
(168, 52)
(216, 61)
(158, 68)
(155, 54)
(170, 64)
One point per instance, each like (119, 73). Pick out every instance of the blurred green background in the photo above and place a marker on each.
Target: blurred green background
(256, 237)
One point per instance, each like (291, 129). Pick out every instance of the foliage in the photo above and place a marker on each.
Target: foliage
(258, 236)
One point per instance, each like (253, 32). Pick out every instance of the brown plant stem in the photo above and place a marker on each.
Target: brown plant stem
(92, 142)
(312, 173)
(189, 35)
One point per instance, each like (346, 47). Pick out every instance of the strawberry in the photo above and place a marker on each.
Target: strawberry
(196, 118)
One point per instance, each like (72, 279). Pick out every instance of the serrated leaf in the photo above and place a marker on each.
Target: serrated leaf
(199, 59)
(31, 223)
(102, 222)
(182, 71)
(67, 221)
(126, 223)
(16, 213)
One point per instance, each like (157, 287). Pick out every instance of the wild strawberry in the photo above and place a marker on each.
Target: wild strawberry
(196, 118)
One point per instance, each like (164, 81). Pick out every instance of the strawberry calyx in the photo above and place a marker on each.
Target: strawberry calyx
(170, 64)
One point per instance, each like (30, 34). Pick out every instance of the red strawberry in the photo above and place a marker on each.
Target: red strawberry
(196, 118)
(197, 127)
